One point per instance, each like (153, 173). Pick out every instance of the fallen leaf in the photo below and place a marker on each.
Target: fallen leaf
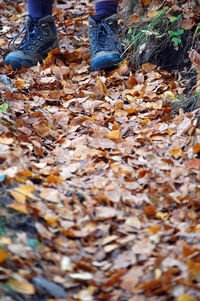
(186, 297)
(192, 164)
(3, 256)
(18, 207)
(22, 287)
(100, 87)
(113, 135)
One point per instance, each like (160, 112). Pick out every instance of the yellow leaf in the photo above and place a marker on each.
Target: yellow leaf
(21, 180)
(169, 94)
(113, 134)
(5, 241)
(18, 196)
(176, 153)
(110, 248)
(51, 220)
(162, 215)
(6, 141)
(19, 84)
(108, 239)
(18, 207)
(152, 14)
(185, 297)
(26, 190)
(21, 193)
(170, 131)
(22, 287)
(158, 273)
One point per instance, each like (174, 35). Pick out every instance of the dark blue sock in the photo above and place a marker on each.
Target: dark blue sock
(104, 9)
(38, 9)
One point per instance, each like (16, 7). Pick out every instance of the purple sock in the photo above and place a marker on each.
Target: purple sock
(38, 9)
(105, 9)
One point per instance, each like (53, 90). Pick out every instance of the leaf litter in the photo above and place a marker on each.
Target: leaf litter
(99, 182)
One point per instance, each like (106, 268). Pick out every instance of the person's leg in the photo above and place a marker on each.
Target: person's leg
(38, 9)
(40, 36)
(105, 8)
(103, 35)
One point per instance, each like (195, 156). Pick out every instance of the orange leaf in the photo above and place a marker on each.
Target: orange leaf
(26, 173)
(133, 18)
(194, 268)
(144, 121)
(196, 148)
(68, 22)
(150, 210)
(22, 287)
(153, 229)
(3, 256)
(187, 251)
(54, 179)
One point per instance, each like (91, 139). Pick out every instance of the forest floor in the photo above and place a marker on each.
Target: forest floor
(99, 183)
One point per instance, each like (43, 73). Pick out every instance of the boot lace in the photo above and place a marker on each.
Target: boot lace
(32, 34)
(102, 37)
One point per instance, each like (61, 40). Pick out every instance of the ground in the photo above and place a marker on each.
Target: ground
(99, 182)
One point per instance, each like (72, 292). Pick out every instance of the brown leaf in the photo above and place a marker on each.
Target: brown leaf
(42, 127)
(187, 24)
(148, 67)
(50, 194)
(101, 87)
(193, 269)
(193, 164)
(43, 231)
(195, 59)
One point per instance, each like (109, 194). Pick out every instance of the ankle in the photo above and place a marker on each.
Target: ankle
(105, 9)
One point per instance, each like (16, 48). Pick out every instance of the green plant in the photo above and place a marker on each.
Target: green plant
(3, 107)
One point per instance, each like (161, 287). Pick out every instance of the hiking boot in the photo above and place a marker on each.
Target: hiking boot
(39, 39)
(105, 48)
